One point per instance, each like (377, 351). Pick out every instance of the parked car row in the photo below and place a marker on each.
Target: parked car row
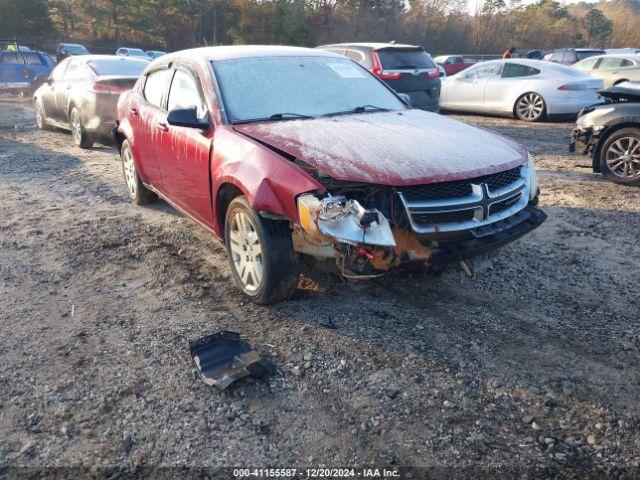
(65, 50)
(298, 156)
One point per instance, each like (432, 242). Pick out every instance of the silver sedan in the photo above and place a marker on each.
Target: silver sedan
(529, 90)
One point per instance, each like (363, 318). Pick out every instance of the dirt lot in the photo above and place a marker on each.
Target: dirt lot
(533, 365)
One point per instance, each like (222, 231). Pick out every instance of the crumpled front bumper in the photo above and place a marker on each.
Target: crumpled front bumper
(488, 238)
(583, 140)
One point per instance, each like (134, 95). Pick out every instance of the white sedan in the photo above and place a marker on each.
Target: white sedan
(527, 89)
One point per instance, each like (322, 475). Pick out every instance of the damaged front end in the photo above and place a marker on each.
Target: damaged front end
(360, 238)
(369, 229)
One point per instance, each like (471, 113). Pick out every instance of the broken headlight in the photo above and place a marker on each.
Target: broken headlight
(346, 221)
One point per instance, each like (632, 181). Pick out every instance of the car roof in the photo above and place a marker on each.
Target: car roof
(371, 45)
(632, 56)
(245, 51)
(91, 58)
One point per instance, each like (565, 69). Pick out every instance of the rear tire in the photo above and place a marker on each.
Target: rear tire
(620, 157)
(261, 255)
(80, 136)
(138, 193)
(530, 107)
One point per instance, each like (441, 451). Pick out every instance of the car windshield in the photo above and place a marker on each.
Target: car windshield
(588, 53)
(136, 52)
(280, 88)
(398, 58)
(76, 49)
(119, 66)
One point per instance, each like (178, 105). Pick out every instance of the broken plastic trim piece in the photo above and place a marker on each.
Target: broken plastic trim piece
(223, 358)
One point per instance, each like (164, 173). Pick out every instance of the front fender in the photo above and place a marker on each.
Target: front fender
(270, 182)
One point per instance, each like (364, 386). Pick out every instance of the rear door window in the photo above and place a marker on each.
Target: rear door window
(155, 87)
(401, 59)
(610, 63)
(514, 70)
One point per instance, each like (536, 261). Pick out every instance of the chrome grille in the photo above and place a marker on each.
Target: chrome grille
(463, 205)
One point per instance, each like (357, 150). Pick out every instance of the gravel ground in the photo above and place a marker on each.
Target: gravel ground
(533, 365)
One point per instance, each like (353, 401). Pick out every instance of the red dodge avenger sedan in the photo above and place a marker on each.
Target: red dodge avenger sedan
(294, 155)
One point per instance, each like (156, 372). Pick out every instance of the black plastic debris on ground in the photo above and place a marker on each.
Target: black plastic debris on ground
(223, 358)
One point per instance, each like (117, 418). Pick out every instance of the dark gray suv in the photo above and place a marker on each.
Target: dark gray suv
(405, 68)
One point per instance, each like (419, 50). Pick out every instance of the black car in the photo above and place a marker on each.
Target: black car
(81, 95)
(407, 69)
(536, 54)
(610, 134)
(65, 50)
(569, 56)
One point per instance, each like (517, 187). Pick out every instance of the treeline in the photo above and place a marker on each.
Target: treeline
(441, 26)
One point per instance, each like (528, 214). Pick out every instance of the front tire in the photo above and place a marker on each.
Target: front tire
(80, 136)
(530, 107)
(620, 157)
(138, 193)
(41, 116)
(261, 255)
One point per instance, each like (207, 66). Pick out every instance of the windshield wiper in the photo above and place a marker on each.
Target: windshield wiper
(288, 115)
(359, 109)
(274, 117)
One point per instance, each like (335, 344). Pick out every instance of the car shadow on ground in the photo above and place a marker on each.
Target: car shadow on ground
(534, 316)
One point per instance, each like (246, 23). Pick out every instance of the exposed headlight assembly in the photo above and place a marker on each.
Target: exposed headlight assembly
(589, 119)
(533, 178)
(347, 221)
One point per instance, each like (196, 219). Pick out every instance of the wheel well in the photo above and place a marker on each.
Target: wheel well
(620, 81)
(226, 194)
(604, 137)
(119, 139)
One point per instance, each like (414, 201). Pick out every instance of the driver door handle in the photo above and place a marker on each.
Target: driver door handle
(163, 127)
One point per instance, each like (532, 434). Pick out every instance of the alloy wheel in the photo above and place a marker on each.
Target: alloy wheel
(623, 158)
(246, 251)
(76, 127)
(530, 107)
(130, 174)
(39, 116)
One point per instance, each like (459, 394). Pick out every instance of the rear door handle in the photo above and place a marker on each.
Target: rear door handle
(163, 126)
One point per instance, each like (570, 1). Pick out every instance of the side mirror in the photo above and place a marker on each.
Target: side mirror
(405, 98)
(188, 117)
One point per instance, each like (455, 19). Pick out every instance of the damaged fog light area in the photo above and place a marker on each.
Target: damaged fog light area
(346, 221)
